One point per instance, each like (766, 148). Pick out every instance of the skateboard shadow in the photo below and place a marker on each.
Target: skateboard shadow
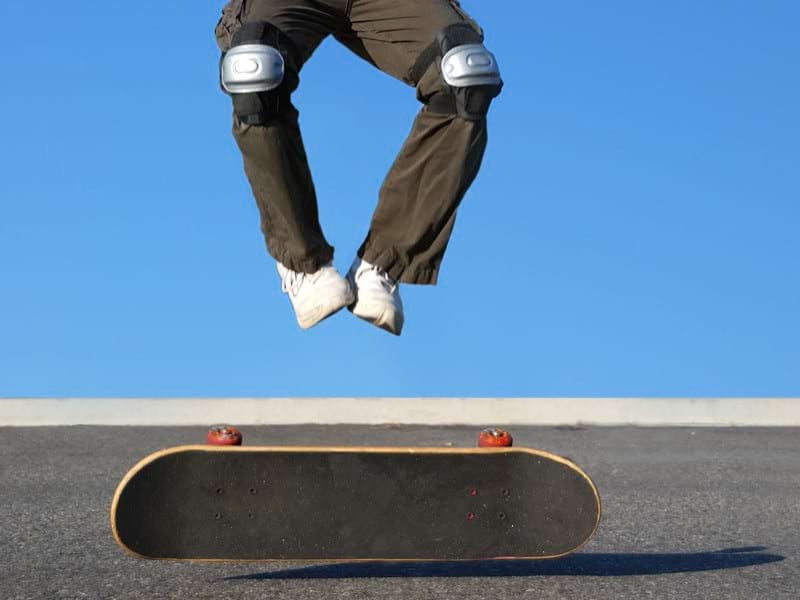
(583, 564)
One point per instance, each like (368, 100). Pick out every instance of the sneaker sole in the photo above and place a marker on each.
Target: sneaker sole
(325, 310)
(388, 320)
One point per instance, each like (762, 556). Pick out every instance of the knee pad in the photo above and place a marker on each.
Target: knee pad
(469, 72)
(258, 72)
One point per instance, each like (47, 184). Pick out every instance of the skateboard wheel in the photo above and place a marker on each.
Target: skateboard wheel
(224, 435)
(494, 437)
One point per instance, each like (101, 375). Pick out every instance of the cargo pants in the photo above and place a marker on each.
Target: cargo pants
(439, 160)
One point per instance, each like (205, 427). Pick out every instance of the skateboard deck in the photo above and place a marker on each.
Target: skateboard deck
(330, 503)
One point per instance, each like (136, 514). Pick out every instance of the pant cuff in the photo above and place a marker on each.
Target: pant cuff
(307, 264)
(400, 270)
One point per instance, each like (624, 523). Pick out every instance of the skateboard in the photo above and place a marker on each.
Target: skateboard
(232, 503)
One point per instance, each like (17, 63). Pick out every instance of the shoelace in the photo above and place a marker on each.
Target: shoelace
(292, 281)
(386, 282)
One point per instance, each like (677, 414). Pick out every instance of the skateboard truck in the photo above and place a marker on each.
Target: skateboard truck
(224, 435)
(494, 437)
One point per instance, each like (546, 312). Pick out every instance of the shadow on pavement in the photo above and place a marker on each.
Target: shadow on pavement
(587, 565)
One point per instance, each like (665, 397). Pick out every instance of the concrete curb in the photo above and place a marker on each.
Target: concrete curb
(784, 412)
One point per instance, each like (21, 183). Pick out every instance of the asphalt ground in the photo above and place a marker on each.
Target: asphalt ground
(687, 513)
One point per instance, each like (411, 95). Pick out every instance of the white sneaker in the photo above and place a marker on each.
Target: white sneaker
(377, 296)
(315, 296)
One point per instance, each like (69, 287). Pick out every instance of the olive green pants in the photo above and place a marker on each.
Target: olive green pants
(418, 200)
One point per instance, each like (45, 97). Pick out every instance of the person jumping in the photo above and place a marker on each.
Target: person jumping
(433, 45)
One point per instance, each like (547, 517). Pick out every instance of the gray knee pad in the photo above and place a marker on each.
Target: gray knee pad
(258, 72)
(468, 70)
(251, 68)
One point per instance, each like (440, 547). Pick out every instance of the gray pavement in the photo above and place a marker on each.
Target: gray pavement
(688, 513)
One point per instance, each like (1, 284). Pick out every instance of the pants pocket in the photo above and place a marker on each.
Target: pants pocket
(229, 23)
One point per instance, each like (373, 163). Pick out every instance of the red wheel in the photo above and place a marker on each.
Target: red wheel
(224, 435)
(490, 438)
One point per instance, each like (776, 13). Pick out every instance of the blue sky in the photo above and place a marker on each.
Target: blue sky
(634, 230)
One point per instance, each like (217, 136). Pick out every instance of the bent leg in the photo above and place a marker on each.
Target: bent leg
(266, 129)
(442, 155)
